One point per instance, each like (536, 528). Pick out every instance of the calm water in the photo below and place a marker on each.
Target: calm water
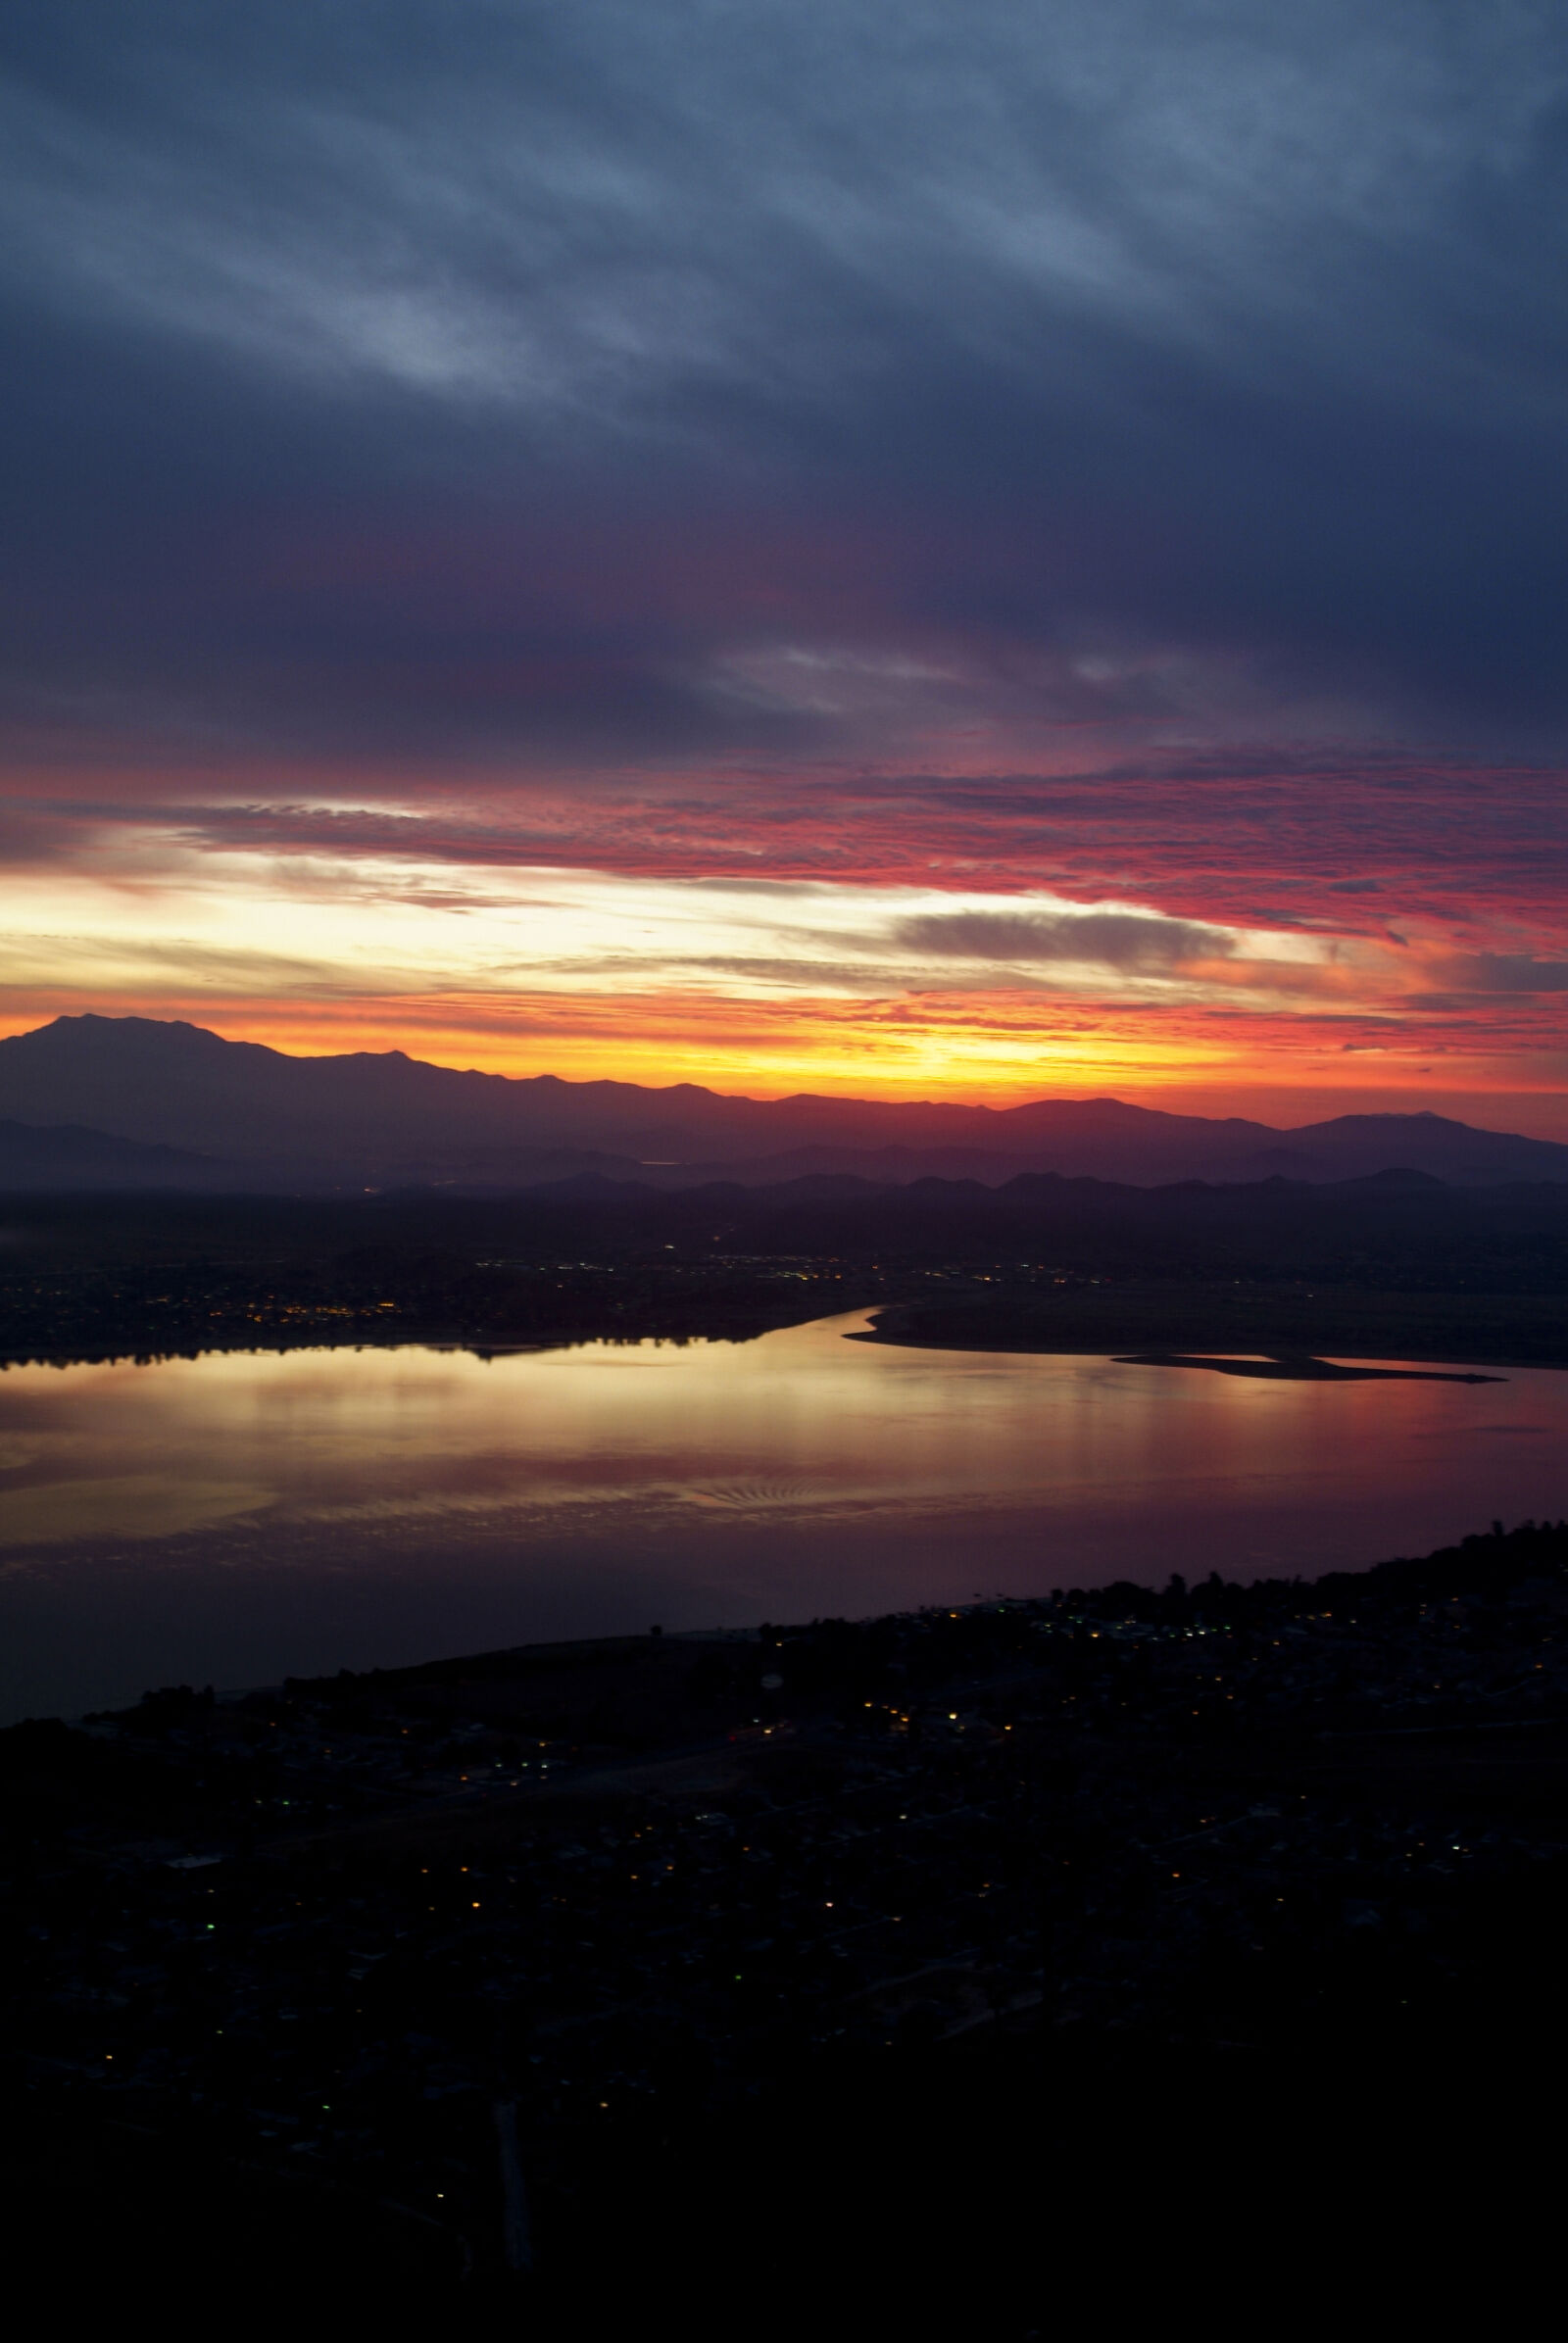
(230, 1520)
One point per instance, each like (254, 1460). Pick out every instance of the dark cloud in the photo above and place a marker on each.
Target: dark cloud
(1491, 972)
(505, 390)
(1126, 941)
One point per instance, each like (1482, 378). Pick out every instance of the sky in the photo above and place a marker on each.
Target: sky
(841, 544)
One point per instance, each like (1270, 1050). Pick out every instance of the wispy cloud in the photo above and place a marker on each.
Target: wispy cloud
(1082, 492)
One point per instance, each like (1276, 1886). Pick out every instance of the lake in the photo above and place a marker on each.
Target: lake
(239, 1517)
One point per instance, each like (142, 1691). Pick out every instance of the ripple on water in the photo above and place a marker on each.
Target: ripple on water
(755, 1496)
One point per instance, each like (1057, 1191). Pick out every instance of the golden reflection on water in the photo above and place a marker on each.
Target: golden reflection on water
(796, 1429)
(233, 1519)
(125, 1505)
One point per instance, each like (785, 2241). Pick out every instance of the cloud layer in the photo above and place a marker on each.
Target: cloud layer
(1112, 454)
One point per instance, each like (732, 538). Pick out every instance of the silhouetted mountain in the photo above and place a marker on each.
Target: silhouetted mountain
(63, 1155)
(388, 1120)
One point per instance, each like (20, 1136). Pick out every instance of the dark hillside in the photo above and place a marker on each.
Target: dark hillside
(983, 1939)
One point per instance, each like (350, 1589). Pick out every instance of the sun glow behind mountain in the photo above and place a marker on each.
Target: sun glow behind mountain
(749, 983)
(822, 546)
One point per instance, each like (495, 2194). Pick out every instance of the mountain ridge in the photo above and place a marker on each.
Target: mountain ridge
(257, 1115)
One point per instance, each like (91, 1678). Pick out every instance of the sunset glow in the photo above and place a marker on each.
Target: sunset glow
(1007, 582)
(764, 987)
(783, 1153)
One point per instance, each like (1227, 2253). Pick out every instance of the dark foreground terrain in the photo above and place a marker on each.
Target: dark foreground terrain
(978, 1967)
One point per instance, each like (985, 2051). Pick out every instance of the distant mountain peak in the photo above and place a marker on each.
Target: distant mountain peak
(386, 1118)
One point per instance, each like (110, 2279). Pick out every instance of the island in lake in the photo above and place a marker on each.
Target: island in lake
(1303, 1370)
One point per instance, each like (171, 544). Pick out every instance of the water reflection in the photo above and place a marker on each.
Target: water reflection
(233, 1517)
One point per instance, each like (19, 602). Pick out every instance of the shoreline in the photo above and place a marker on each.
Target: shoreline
(1423, 1367)
(683, 1910)
(403, 1341)
(1225, 1357)
(1108, 1609)
(1327, 1362)
(1302, 1370)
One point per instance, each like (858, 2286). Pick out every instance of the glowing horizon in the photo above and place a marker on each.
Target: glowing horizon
(766, 988)
(1005, 558)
